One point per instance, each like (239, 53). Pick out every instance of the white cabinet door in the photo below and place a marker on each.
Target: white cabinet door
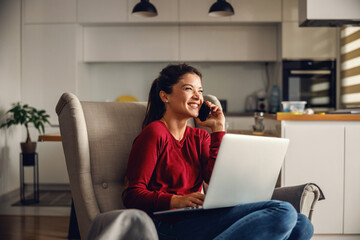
(104, 11)
(49, 11)
(228, 43)
(131, 43)
(308, 42)
(256, 10)
(316, 154)
(167, 11)
(198, 11)
(352, 180)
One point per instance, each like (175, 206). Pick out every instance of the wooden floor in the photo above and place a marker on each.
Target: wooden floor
(33, 227)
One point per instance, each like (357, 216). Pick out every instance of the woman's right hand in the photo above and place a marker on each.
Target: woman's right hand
(190, 200)
(215, 120)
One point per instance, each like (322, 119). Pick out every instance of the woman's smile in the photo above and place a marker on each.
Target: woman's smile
(186, 97)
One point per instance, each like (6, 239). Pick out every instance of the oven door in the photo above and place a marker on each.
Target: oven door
(317, 87)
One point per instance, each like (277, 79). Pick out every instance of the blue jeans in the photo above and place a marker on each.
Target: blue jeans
(261, 220)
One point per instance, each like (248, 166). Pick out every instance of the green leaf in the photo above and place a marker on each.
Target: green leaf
(25, 115)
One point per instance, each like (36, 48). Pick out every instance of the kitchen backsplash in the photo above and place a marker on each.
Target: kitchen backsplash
(231, 81)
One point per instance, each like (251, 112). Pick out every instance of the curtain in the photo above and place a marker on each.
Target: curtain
(350, 67)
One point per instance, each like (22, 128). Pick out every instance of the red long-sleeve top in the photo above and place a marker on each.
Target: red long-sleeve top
(160, 166)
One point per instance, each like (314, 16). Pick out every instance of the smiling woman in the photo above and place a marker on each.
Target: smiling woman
(169, 162)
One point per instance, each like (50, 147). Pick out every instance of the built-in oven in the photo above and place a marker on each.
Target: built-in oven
(310, 81)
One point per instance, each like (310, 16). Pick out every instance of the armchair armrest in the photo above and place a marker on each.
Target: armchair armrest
(122, 224)
(302, 197)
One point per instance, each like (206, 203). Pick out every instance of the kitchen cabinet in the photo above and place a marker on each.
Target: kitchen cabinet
(104, 11)
(198, 11)
(245, 11)
(180, 43)
(352, 180)
(167, 11)
(316, 154)
(308, 42)
(228, 43)
(131, 43)
(115, 11)
(256, 10)
(49, 11)
(326, 153)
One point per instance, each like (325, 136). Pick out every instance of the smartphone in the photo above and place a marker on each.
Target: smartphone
(204, 112)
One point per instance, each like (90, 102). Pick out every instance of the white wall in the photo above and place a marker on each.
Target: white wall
(232, 81)
(10, 81)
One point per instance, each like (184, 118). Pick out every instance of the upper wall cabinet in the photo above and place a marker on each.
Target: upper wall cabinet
(174, 11)
(308, 42)
(198, 11)
(167, 11)
(245, 11)
(49, 11)
(256, 10)
(180, 43)
(131, 43)
(104, 11)
(228, 43)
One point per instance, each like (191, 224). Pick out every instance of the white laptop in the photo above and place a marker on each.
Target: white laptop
(246, 170)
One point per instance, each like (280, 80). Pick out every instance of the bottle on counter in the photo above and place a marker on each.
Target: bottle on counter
(274, 99)
(259, 126)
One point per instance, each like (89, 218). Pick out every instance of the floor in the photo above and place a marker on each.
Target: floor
(8, 199)
(27, 222)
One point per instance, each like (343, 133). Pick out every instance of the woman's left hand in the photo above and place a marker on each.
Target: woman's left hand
(215, 120)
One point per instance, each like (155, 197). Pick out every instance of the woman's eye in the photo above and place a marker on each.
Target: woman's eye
(188, 88)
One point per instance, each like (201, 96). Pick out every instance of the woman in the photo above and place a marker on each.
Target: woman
(169, 162)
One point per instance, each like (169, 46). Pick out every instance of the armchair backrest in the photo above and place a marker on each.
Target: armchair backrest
(97, 139)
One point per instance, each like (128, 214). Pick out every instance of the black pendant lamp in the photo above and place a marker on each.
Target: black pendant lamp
(221, 9)
(145, 8)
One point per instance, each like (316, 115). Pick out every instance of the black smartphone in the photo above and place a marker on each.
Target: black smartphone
(204, 112)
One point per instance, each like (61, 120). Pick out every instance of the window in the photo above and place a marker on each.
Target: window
(350, 67)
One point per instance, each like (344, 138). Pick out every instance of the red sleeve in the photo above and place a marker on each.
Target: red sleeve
(210, 149)
(141, 164)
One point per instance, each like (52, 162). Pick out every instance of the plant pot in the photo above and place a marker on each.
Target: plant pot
(28, 147)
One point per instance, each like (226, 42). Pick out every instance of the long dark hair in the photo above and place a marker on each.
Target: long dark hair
(168, 77)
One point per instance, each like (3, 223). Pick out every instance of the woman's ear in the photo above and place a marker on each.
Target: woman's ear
(163, 96)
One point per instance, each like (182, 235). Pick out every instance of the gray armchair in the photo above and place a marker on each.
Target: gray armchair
(97, 138)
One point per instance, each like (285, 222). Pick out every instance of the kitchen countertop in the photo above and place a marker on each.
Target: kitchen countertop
(250, 132)
(319, 117)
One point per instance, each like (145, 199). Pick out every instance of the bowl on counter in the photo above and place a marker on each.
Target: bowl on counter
(293, 106)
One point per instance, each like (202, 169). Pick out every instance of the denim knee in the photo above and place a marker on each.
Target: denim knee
(304, 229)
(286, 216)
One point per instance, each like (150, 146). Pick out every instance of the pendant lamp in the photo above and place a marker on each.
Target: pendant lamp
(221, 9)
(145, 8)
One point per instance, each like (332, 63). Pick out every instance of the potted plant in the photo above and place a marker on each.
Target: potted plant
(21, 114)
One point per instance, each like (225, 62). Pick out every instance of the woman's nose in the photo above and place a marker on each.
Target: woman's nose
(197, 94)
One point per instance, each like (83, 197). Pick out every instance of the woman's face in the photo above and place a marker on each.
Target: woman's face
(186, 97)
